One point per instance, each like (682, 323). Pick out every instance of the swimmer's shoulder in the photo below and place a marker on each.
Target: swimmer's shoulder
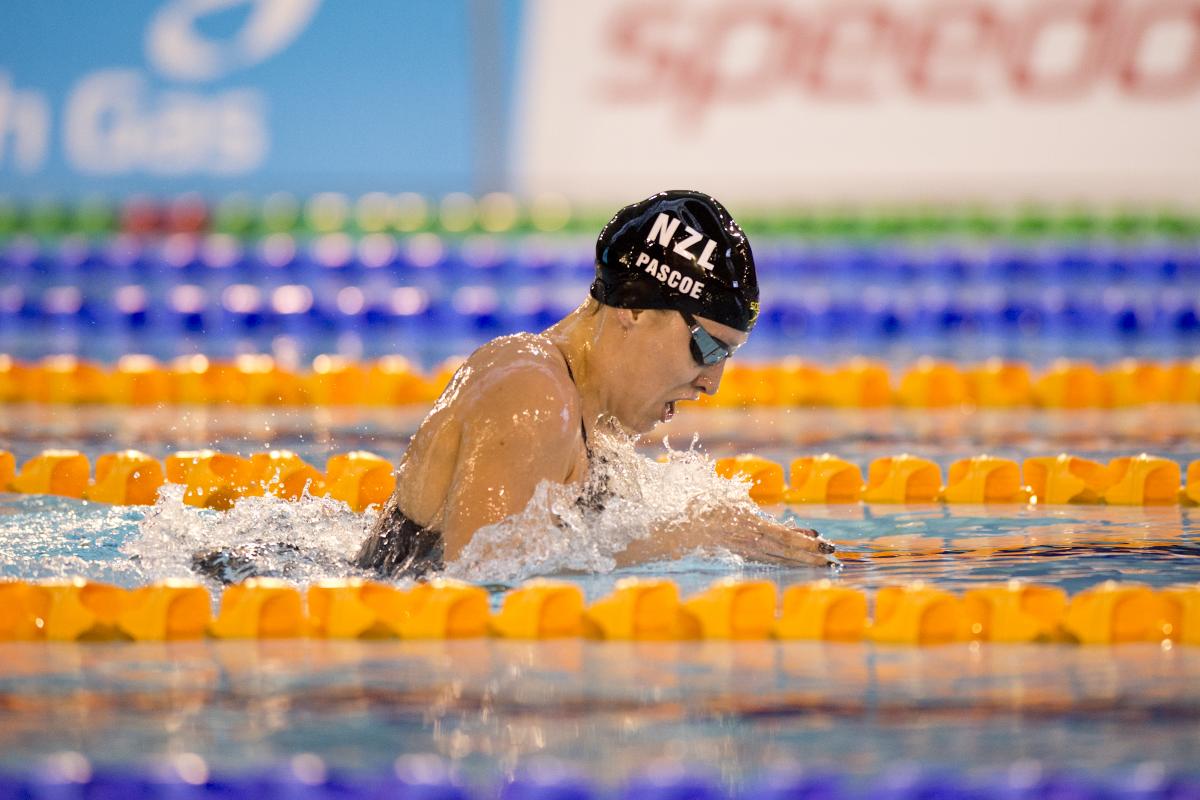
(523, 373)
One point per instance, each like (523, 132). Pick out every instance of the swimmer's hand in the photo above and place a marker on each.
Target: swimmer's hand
(744, 532)
(774, 542)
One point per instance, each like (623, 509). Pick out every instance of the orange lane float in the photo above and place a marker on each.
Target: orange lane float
(1014, 612)
(8, 469)
(359, 479)
(541, 609)
(1062, 479)
(67, 379)
(355, 609)
(1181, 611)
(218, 480)
(766, 476)
(1114, 613)
(637, 609)
(917, 614)
(139, 380)
(824, 479)
(858, 383)
(1191, 488)
(729, 609)
(1131, 382)
(166, 611)
(23, 610)
(1000, 384)
(1142, 480)
(58, 472)
(335, 381)
(823, 611)
(932, 384)
(260, 608)
(1070, 384)
(984, 479)
(76, 609)
(129, 477)
(902, 479)
(1183, 381)
(445, 609)
(286, 475)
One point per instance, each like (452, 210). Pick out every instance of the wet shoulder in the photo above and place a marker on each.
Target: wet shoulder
(522, 371)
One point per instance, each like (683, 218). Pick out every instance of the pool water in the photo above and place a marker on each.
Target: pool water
(612, 708)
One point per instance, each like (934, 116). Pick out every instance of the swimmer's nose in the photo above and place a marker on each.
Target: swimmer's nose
(709, 379)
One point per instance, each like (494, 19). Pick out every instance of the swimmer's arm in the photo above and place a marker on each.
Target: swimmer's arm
(740, 530)
(516, 433)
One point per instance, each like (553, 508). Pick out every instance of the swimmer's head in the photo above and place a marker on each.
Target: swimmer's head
(678, 250)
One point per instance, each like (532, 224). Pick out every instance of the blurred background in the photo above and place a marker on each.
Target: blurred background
(967, 179)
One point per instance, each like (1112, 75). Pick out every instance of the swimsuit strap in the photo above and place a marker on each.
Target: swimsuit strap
(582, 429)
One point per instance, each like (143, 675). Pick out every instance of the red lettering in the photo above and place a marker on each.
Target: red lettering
(942, 60)
(637, 36)
(1135, 77)
(711, 74)
(848, 41)
(1088, 18)
(749, 51)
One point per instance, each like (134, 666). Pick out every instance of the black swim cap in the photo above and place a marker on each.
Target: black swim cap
(678, 250)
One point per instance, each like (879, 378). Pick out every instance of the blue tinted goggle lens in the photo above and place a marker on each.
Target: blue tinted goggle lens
(706, 348)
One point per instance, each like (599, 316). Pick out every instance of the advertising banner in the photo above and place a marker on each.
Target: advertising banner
(262, 95)
(777, 100)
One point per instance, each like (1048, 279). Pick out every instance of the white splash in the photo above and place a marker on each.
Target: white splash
(301, 541)
(560, 532)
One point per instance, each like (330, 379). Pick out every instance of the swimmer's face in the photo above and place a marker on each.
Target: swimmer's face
(662, 370)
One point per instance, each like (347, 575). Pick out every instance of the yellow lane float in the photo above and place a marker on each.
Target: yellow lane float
(822, 611)
(445, 609)
(541, 609)
(984, 479)
(637, 609)
(824, 479)
(1014, 612)
(902, 479)
(260, 608)
(858, 383)
(1000, 384)
(1062, 479)
(1181, 611)
(129, 477)
(932, 384)
(1070, 384)
(355, 609)
(359, 479)
(286, 475)
(218, 480)
(729, 609)
(765, 475)
(917, 614)
(170, 610)
(1113, 613)
(82, 610)
(8, 470)
(59, 472)
(139, 380)
(1142, 480)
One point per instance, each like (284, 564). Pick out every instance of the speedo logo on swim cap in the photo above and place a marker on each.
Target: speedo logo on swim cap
(663, 232)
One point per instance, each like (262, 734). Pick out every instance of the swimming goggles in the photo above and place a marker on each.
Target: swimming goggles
(706, 348)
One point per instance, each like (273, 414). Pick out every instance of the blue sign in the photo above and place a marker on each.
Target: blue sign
(256, 95)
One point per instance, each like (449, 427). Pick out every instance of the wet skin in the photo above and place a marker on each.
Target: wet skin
(511, 416)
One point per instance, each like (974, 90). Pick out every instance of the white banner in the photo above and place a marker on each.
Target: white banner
(859, 100)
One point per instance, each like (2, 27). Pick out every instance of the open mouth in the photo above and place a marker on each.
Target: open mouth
(668, 411)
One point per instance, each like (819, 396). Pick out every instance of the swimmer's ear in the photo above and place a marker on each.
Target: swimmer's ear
(627, 317)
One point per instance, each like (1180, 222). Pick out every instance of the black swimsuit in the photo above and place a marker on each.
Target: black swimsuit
(400, 548)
